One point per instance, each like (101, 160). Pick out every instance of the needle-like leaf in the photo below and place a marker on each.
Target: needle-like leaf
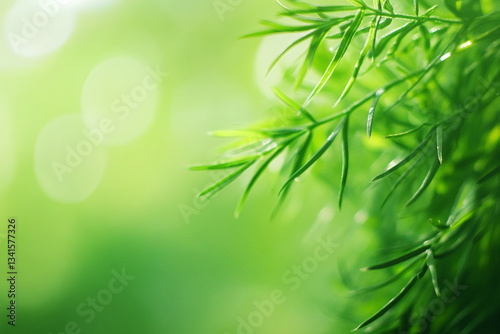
(432, 269)
(394, 300)
(316, 156)
(399, 259)
(425, 183)
(344, 45)
(404, 161)
(361, 58)
(316, 41)
(218, 186)
(389, 281)
(294, 105)
(256, 176)
(232, 163)
(371, 111)
(439, 143)
(345, 160)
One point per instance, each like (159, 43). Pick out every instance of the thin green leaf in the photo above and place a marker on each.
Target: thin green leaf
(344, 45)
(416, 7)
(401, 178)
(297, 164)
(219, 185)
(464, 203)
(424, 33)
(232, 163)
(388, 7)
(429, 11)
(491, 173)
(400, 164)
(277, 28)
(371, 111)
(432, 269)
(316, 41)
(400, 37)
(374, 39)
(393, 301)
(320, 9)
(399, 259)
(384, 40)
(368, 44)
(401, 134)
(425, 183)
(280, 132)
(389, 281)
(439, 143)
(359, 3)
(288, 48)
(316, 156)
(345, 160)
(256, 176)
(251, 149)
(294, 105)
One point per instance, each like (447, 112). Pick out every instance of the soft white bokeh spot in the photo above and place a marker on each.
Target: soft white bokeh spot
(92, 4)
(70, 159)
(35, 28)
(123, 90)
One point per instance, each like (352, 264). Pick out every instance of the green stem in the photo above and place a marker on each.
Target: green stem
(410, 17)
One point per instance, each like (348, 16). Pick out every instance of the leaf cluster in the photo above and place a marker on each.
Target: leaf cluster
(437, 72)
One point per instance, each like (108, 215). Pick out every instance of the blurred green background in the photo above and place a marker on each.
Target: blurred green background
(128, 203)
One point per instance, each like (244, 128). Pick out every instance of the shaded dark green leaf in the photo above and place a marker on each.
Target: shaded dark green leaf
(393, 301)
(400, 259)
(389, 281)
(404, 161)
(425, 183)
(401, 178)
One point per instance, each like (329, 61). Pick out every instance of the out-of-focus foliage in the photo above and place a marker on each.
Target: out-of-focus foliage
(416, 85)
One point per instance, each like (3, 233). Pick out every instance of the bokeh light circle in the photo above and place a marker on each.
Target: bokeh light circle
(35, 28)
(69, 159)
(124, 92)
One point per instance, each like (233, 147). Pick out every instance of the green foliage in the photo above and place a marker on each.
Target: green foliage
(427, 77)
